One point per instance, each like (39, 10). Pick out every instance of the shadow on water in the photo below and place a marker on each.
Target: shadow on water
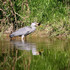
(35, 54)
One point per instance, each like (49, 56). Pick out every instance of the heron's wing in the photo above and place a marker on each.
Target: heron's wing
(22, 31)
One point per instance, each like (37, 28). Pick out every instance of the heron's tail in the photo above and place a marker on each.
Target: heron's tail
(11, 35)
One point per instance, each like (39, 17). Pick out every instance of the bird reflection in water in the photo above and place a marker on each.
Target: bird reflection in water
(22, 45)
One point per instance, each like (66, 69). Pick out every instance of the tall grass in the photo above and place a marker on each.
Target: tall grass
(47, 10)
(54, 13)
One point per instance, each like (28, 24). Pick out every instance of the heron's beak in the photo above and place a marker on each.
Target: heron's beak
(38, 24)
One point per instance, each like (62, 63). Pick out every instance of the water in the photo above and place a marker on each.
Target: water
(34, 54)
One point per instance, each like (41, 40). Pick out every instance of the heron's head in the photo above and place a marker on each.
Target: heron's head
(35, 24)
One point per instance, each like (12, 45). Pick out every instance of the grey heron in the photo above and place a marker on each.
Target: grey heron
(25, 30)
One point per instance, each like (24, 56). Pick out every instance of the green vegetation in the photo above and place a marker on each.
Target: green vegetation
(54, 15)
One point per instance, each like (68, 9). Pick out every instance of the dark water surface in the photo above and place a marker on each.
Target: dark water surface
(34, 54)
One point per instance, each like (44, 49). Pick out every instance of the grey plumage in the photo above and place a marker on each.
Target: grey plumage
(25, 30)
(22, 31)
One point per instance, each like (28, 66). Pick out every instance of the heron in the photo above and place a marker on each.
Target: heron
(25, 30)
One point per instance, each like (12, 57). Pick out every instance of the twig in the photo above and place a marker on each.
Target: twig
(13, 10)
(3, 11)
(21, 16)
(19, 57)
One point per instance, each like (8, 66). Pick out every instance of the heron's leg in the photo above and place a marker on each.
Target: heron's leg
(22, 37)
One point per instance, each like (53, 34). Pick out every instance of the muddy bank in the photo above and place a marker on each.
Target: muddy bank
(43, 31)
(36, 34)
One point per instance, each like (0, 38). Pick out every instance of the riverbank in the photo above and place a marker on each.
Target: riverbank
(37, 34)
(58, 30)
(54, 17)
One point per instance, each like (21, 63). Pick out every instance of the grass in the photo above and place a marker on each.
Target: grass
(51, 13)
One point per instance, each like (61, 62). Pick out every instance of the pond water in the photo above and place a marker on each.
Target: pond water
(34, 54)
